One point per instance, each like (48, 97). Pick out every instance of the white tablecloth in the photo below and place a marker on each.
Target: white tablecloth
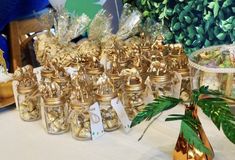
(28, 141)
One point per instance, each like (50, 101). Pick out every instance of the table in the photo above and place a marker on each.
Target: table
(28, 141)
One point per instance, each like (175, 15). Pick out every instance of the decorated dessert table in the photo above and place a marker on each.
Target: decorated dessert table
(27, 141)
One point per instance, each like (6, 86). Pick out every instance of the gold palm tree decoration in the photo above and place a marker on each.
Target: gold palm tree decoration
(192, 143)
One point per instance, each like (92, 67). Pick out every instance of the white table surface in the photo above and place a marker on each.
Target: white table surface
(28, 141)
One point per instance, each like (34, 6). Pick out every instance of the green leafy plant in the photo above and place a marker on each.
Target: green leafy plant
(195, 24)
(212, 103)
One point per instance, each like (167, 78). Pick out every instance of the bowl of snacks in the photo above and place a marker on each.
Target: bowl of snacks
(214, 67)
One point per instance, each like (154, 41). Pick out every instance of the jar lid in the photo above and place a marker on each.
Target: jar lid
(95, 71)
(77, 105)
(183, 71)
(134, 84)
(47, 73)
(105, 97)
(134, 87)
(54, 101)
(26, 90)
(61, 79)
(162, 78)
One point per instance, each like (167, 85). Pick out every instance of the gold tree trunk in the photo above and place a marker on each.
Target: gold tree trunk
(185, 151)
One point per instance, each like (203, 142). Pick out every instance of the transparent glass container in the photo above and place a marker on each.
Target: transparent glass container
(185, 89)
(55, 116)
(161, 85)
(213, 67)
(29, 103)
(80, 121)
(109, 116)
(133, 96)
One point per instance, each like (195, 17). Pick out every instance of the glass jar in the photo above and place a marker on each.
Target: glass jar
(214, 67)
(109, 116)
(80, 121)
(133, 96)
(161, 85)
(29, 103)
(55, 116)
(185, 89)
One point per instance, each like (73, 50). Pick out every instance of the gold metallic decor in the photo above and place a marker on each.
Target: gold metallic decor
(79, 116)
(28, 95)
(133, 92)
(185, 151)
(55, 115)
(104, 94)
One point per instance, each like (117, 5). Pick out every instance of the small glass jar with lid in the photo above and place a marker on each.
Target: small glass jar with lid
(28, 103)
(133, 96)
(55, 115)
(104, 95)
(185, 89)
(80, 120)
(161, 85)
(109, 116)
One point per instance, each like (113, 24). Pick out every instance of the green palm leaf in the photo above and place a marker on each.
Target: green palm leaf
(229, 130)
(189, 130)
(192, 138)
(219, 112)
(206, 90)
(152, 109)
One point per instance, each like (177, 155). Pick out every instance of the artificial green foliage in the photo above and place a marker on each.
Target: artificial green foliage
(192, 138)
(211, 102)
(189, 128)
(219, 112)
(194, 23)
(157, 106)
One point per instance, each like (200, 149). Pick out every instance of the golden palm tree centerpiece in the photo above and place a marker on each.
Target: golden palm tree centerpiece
(193, 143)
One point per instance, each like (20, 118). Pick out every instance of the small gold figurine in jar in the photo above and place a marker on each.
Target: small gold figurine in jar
(179, 63)
(133, 93)
(113, 72)
(104, 94)
(177, 58)
(94, 70)
(47, 71)
(80, 115)
(160, 78)
(80, 108)
(63, 80)
(28, 95)
(55, 108)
